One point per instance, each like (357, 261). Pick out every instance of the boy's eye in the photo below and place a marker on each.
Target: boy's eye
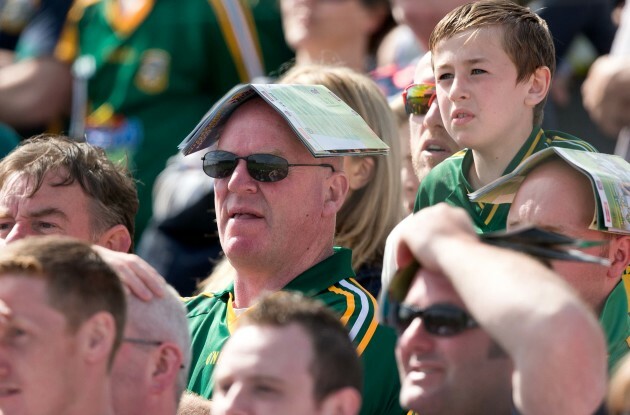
(445, 76)
(477, 71)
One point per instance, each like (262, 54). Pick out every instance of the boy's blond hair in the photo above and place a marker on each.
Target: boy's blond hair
(526, 37)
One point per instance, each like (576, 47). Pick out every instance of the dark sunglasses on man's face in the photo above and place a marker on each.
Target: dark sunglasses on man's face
(262, 167)
(439, 319)
(418, 98)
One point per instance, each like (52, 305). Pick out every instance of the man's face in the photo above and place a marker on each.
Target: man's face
(52, 210)
(324, 25)
(265, 370)
(422, 16)
(263, 225)
(430, 142)
(38, 354)
(555, 197)
(461, 374)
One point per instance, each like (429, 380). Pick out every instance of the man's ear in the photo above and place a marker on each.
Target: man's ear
(538, 86)
(360, 171)
(619, 255)
(116, 238)
(337, 186)
(96, 337)
(345, 401)
(167, 364)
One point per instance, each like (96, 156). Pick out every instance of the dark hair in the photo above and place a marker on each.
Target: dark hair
(526, 37)
(78, 282)
(335, 364)
(113, 193)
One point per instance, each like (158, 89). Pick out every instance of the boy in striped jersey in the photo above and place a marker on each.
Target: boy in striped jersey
(493, 62)
(276, 227)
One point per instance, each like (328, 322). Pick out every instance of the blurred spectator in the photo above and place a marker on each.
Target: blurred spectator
(408, 177)
(152, 69)
(340, 33)
(34, 86)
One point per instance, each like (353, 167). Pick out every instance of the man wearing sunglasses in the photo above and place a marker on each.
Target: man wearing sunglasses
(488, 330)
(276, 206)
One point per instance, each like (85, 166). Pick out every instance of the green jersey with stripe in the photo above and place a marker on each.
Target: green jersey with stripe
(615, 320)
(448, 181)
(157, 71)
(211, 318)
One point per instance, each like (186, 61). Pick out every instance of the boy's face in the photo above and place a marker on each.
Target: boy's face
(482, 105)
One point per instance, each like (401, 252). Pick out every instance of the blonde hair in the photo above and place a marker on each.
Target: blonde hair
(371, 212)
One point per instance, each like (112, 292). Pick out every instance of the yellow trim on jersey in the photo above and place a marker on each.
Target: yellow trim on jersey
(491, 214)
(230, 315)
(230, 39)
(584, 144)
(373, 324)
(350, 301)
(126, 23)
(625, 279)
(534, 144)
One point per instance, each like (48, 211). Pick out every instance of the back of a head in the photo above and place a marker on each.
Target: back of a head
(526, 37)
(164, 319)
(112, 191)
(374, 209)
(78, 282)
(336, 364)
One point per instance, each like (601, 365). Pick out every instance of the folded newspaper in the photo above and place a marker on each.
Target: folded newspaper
(609, 175)
(326, 125)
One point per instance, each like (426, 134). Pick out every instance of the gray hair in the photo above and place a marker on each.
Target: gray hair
(163, 319)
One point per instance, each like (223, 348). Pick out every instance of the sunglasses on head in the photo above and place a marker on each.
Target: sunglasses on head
(261, 167)
(418, 98)
(439, 319)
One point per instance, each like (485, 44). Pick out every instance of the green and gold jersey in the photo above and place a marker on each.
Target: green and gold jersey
(156, 72)
(615, 320)
(211, 318)
(448, 182)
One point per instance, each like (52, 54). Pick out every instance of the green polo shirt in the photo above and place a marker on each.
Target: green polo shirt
(448, 181)
(615, 320)
(211, 318)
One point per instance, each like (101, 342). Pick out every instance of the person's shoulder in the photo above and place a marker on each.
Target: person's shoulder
(566, 140)
(443, 176)
(203, 304)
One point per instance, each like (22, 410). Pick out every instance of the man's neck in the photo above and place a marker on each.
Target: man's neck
(252, 282)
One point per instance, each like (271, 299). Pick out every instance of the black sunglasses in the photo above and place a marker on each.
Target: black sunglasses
(438, 319)
(262, 167)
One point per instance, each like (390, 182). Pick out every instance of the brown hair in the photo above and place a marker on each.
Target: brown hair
(78, 282)
(375, 209)
(335, 364)
(112, 191)
(526, 37)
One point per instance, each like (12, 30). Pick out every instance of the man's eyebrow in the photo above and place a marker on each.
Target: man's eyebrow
(49, 211)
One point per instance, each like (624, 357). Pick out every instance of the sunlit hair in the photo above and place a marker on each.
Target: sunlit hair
(163, 319)
(526, 37)
(371, 212)
(335, 364)
(111, 190)
(78, 282)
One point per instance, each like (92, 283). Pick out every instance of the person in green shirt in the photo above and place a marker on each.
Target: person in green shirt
(276, 228)
(153, 68)
(493, 62)
(556, 196)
